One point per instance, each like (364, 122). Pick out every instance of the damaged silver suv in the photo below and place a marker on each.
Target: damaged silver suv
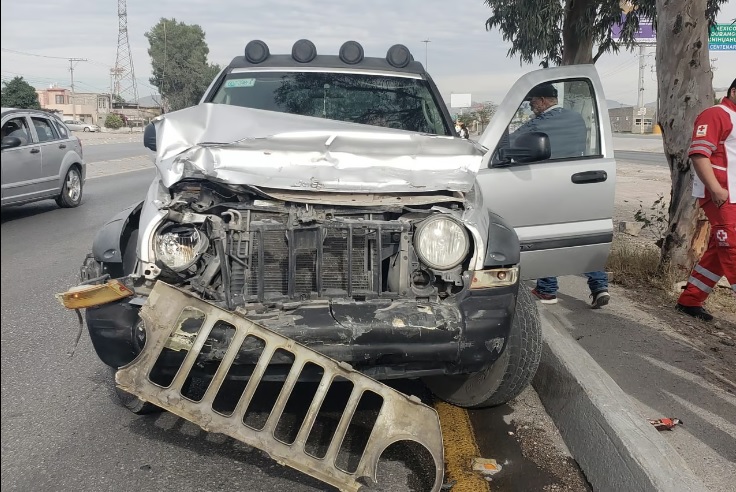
(328, 199)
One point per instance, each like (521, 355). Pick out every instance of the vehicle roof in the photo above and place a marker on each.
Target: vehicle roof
(28, 110)
(329, 62)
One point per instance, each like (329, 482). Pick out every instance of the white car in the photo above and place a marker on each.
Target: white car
(81, 126)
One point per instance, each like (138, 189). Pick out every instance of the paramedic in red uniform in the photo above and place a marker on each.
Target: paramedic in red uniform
(713, 153)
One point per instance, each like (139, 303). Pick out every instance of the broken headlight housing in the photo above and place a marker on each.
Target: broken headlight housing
(179, 246)
(441, 242)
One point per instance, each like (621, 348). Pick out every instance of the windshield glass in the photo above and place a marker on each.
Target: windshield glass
(394, 102)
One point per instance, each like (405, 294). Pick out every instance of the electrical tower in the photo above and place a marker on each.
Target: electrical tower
(123, 75)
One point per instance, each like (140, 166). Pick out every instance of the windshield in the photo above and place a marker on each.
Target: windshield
(395, 102)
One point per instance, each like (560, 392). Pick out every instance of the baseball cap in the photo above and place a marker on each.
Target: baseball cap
(542, 90)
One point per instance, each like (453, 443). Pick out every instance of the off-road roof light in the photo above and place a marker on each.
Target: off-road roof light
(304, 51)
(351, 52)
(256, 51)
(399, 56)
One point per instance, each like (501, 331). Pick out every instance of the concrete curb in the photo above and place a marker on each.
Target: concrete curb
(616, 447)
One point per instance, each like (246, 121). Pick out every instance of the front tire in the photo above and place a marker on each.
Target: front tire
(507, 377)
(132, 402)
(71, 189)
(86, 129)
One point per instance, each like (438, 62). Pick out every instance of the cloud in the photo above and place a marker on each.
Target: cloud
(462, 56)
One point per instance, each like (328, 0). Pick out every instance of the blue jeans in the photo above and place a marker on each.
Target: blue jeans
(597, 282)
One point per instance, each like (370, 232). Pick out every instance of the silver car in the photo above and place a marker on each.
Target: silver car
(81, 126)
(40, 159)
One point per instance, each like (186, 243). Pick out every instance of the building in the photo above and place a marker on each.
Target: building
(88, 107)
(91, 107)
(631, 119)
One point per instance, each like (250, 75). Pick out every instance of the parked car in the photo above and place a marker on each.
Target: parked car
(330, 199)
(81, 126)
(40, 159)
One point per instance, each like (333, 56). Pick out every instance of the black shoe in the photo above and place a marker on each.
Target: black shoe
(600, 299)
(697, 312)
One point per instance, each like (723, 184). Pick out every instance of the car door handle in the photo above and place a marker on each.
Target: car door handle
(62, 146)
(589, 177)
(35, 151)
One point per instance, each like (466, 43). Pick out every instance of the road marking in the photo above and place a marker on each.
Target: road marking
(125, 171)
(460, 449)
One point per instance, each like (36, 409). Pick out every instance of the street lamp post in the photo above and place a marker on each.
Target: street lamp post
(426, 45)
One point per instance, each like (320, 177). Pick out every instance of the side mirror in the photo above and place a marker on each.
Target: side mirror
(10, 142)
(149, 137)
(527, 147)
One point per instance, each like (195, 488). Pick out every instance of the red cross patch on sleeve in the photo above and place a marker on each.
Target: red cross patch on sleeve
(701, 131)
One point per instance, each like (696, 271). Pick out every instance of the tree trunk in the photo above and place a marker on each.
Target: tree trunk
(685, 89)
(577, 43)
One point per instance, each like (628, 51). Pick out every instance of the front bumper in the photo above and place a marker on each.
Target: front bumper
(382, 338)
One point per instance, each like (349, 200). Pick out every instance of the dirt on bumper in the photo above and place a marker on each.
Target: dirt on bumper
(168, 309)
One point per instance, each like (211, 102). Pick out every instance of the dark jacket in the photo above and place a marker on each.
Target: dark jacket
(568, 135)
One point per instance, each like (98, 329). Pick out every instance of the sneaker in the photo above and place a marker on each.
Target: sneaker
(600, 299)
(697, 312)
(545, 298)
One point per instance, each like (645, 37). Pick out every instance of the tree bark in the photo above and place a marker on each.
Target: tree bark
(577, 42)
(685, 84)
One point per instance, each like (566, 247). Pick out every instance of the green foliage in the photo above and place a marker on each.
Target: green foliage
(654, 219)
(565, 32)
(181, 72)
(19, 94)
(113, 121)
(116, 98)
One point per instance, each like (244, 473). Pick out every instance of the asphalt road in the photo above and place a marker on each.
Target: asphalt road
(646, 158)
(113, 151)
(61, 428)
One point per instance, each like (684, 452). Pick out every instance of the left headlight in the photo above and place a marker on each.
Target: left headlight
(179, 246)
(441, 242)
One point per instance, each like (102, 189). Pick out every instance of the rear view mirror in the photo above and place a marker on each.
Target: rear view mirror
(149, 137)
(10, 142)
(527, 147)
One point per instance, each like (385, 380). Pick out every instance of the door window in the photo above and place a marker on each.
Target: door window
(566, 112)
(62, 130)
(44, 129)
(17, 127)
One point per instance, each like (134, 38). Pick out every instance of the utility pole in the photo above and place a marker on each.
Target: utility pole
(642, 66)
(426, 47)
(72, 62)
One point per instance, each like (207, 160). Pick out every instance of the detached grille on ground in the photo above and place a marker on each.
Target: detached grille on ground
(176, 321)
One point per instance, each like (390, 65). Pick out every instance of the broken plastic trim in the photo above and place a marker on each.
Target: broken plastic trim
(401, 417)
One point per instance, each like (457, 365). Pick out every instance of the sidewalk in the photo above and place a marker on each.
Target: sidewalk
(670, 367)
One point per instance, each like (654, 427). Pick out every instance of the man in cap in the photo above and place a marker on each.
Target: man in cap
(713, 154)
(568, 137)
(568, 134)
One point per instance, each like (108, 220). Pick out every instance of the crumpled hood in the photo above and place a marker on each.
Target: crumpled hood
(238, 145)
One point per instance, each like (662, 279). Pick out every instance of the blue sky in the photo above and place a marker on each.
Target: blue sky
(462, 55)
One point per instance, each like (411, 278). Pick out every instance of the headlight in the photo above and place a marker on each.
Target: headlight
(179, 246)
(441, 242)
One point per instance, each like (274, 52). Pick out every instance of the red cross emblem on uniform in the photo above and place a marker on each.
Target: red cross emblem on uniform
(721, 236)
(701, 131)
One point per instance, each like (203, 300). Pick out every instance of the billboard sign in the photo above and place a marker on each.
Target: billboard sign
(460, 101)
(645, 33)
(722, 38)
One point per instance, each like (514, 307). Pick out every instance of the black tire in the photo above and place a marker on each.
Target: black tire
(86, 128)
(132, 402)
(71, 189)
(503, 380)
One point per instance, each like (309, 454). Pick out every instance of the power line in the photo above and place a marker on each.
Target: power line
(33, 54)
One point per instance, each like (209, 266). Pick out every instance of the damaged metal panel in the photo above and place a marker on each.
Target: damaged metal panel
(400, 418)
(292, 152)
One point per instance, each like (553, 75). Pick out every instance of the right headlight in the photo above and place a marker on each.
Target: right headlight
(441, 242)
(178, 246)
